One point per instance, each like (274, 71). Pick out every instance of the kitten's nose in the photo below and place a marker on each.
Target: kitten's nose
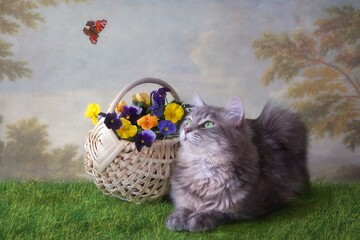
(187, 130)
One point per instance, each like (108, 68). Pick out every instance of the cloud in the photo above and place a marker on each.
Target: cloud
(227, 65)
(199, 54)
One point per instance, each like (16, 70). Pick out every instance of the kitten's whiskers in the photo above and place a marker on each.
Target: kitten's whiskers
(173, 142)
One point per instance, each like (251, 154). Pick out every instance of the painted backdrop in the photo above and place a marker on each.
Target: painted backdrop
(304, 54)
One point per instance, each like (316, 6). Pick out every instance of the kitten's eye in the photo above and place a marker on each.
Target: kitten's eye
(208, 124)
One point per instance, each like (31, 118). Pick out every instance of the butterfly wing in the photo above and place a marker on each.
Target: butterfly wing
(91, 23)
(86, 31)
(93, 38)
(93, 28)
(100, 25)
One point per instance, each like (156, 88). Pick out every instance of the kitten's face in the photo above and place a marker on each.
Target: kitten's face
(200, 131)
(208, 129)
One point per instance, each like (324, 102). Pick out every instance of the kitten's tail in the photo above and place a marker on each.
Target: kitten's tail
(283, 129)
(285, 134)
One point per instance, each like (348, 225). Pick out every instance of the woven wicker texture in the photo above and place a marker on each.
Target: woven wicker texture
(118, 169)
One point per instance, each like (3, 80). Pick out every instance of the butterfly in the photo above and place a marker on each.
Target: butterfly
(93, 29)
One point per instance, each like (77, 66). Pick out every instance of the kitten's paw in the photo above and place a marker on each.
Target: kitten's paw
(200, 222)
(177, 221)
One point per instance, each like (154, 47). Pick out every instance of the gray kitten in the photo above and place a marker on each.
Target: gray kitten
(230, 168)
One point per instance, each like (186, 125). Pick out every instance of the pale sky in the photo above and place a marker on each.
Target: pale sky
(196, 46)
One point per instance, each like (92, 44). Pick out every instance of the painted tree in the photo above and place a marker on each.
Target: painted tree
(65, 162)
(26, 148)
(15, 14)
(321, 69)
(25, 152)
(27, 155)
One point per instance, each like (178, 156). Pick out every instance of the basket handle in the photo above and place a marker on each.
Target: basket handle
(130, 86)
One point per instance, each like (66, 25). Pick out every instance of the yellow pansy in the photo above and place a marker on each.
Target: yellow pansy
(127, 130)
(92, 111)
(142, 98)
(120, 106)
(174, 112)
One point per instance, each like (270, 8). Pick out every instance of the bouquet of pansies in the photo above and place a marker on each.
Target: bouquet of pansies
(149, 117)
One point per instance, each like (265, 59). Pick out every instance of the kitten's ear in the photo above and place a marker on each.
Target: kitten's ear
(197, 101)
(235, 111)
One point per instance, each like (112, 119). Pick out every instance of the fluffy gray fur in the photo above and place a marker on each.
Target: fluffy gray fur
(236, 168)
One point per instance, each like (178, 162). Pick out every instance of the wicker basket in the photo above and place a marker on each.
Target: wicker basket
(118, 169)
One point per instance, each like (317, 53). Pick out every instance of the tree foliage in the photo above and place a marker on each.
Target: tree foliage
(25, 150)
(322, 70)
(13, 15)
(26, 153)
(65, 163)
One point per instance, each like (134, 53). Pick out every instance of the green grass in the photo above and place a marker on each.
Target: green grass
(78, 210)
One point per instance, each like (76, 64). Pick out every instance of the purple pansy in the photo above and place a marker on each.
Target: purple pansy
(167, 127)
(159, 96)
(112, 120)
(131, 113)
(157, 110)
(145, 138)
